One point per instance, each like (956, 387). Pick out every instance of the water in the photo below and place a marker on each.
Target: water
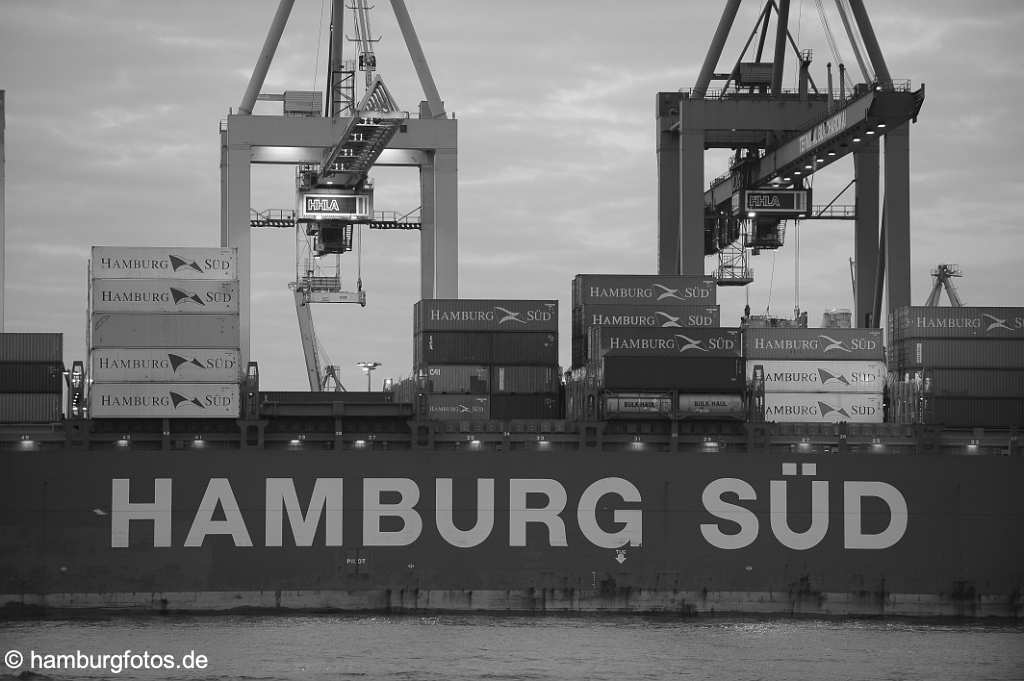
(454, 648)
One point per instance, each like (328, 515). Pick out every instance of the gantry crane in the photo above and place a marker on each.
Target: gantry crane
(943, 275)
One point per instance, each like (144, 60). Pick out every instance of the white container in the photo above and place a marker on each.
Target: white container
(791, 376)
(164, 400)
(178, 296)
(160, 262)
(823, 407)
(164, 331)
(196, 365)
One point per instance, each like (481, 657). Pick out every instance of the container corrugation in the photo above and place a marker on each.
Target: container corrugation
(164, 400)
(31, 377)
(30, 407)
(643, 289)
(712, 375)
(485, 315)
(325, 397)
(637, 405)
(958, 322)
(666, 316)
(31, 347)
(525, 348)
(158, 262)
(831, 344)
(977, 382)
(176, 296)
(526, 406)
(451, 347)
(579, 349)
(525, 379)
(865, 376)
(711, 406)
(457, 407)
(823, 407)
(457, 378)
(120, 330)
(961, 353)
(120, 365)
(974, 412)
(642, 341)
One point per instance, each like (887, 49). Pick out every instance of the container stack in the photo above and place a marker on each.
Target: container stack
(31, 377)
(163, 333)
(487, 359)
(818, 375)
(968, 362)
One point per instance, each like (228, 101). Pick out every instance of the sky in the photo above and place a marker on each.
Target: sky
(113, 108)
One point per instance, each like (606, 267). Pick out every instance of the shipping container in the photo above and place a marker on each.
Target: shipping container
(30, 407)
(972, 412)
(457, 407)
(114, 262)
(726, 406)
(306, 397)
(666, 316)
(957, 322)
(31, 347)
(451, 347)
(525, 379)
(525, 348)
(656, 342)
(791, 376)
(485, 315)
(637, 405)
(177, 296)
(31, 377)
(164, 331)
(959, 353)
(823, 407)
(190, 365)
(455, 378)
(643, 289)
(976, 382)
(526, 406)
(696, 375)
(164, 400)
(831, 344)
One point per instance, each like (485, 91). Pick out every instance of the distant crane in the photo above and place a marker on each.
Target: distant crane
(943, 275)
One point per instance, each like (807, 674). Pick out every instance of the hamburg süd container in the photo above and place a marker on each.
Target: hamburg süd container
(539, 347)
(189, 365)
(456, 378)
(957, 322)
(31, 347)
(728, 406)
(637, 405)
(451, 347)
(643, 289)
(666, 316)
(164, 400)
(959, 353)
(526, 406)
(694, 375)
(125, 330)
(457, 407)
(865, 376)
(164, 295)
(661, 342)
(160, 262)
(485, 315)
(830, 344)
(30, 407)
(525, 379)
(31, 377)
(823, 407)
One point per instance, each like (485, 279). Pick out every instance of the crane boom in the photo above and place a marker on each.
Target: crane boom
(308, 336)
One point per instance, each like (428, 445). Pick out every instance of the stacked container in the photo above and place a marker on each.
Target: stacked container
(818, 375)
(487, 359)
(163, 334)
(968, 361)
(31, 377)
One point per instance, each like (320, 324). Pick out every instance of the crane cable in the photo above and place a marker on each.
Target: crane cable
(319, 33)
(832, 45)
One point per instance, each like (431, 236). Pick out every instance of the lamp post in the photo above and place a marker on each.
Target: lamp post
(368, 367)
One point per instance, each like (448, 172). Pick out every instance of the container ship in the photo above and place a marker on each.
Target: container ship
(679, 465)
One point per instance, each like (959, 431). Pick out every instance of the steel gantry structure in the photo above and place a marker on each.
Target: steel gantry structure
(341, 147)
(781, 138)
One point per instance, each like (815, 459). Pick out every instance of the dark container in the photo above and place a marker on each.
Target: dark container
(457, 407)
(835, 344)
(524, 348)
(451, 347)
(524, 379)
(639, 341)
(526, 406)
(31, 347)
(637, 405)
(30, 407)
(485, 315)
(972, 412)
(325, 397)
(957, 322)
(977, 382)
(685, 374)
(456, 379)
(643, 289)
(579, 349)
(959, 353)
(31, 377)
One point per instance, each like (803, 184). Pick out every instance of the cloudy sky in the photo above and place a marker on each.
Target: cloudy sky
(112, 139)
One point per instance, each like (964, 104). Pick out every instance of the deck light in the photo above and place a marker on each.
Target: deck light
(856, 139)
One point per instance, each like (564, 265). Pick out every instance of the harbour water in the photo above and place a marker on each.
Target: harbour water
(462, 647)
